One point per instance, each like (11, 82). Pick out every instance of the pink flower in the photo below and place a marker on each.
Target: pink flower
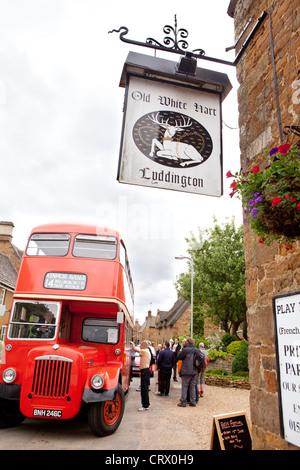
(298, 206)
(229, 174)
(234, 188)
(287, 196)
(255, 169)
(276, 201)
(283, 149)
(233, 185)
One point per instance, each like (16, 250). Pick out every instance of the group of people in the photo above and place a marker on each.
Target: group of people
(171, 357)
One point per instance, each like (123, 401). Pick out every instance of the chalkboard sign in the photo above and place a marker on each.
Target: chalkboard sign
(231, 432)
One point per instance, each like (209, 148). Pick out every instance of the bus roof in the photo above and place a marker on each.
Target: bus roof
(75, 228)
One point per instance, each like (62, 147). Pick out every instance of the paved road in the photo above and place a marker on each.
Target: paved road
(163, 427)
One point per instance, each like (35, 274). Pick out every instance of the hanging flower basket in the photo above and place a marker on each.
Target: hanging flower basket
(271, 197)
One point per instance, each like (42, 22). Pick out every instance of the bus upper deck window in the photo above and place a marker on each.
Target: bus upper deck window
(95, 246)
(48, 244)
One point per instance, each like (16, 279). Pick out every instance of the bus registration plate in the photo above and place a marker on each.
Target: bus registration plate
(44, 413)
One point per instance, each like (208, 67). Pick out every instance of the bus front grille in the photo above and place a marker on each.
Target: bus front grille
(51, 376)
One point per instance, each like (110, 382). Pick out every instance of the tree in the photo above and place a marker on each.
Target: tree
(219, 276)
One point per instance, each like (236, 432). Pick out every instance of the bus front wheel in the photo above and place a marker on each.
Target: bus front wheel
(10, 414)
(105, 417)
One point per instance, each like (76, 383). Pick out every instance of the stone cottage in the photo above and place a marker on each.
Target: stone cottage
(174, 322)
(147, 330)
(10, 259)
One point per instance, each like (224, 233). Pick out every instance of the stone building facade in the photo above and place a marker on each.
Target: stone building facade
(135, 332)
(10, 259)
(165, 325)
(147, 330)
(271, 270)
(174, 322)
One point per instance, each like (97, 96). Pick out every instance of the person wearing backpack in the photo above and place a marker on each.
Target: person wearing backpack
(188, 373)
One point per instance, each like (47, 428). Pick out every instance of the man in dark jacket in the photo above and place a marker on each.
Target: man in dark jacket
(188, 373)
(165, 364)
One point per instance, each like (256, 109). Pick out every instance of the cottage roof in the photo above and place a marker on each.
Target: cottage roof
(150, 321)
(170, 317)
(8, 274)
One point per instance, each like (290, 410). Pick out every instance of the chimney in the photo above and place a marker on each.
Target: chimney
(6, 231)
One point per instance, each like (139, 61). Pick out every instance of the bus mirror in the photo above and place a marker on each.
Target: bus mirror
(120, 317)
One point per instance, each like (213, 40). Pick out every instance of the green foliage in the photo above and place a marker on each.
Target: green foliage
(234, 347)
(241, 373)
(219, 275)
(271, 194)
(213, 355)
(240, 362)
(227, 339)
(219, 371)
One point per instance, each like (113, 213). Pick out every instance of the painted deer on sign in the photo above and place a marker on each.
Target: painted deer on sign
(186, 153)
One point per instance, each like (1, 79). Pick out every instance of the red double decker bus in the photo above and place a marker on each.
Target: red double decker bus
(67, 343)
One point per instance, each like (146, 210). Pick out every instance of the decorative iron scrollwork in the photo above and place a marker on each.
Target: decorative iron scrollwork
(174, 44)
(178, 44)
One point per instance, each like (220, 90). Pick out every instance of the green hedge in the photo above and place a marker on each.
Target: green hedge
(235, 346)
(240, 362)
(213, 355)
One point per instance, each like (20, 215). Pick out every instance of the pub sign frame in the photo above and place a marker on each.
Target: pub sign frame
(172, 130)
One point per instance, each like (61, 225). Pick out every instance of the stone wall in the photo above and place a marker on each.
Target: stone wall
(221, 363)
(225, 382)
(269, 270)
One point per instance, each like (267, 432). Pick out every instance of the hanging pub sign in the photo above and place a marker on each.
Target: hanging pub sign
(171, 135)
(286, 311)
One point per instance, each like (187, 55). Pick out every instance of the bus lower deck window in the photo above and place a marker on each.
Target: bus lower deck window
(33, 320)
(95, 330)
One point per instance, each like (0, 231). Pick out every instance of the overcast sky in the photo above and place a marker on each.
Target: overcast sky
(61, 111)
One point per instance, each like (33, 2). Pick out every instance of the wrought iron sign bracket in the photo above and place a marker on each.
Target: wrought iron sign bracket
(179, 45)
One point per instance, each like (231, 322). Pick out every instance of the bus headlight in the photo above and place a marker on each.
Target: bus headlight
(9, 376)
(97, 382)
